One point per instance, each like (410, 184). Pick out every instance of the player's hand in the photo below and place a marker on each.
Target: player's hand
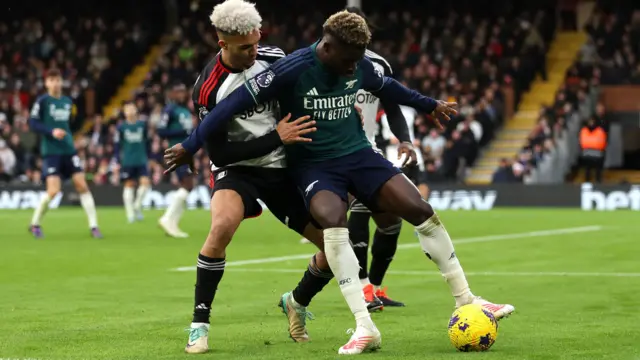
(59, 134)
(406, 149)
(176, 156)
(292, 132)
(444, 109)
(360, 114)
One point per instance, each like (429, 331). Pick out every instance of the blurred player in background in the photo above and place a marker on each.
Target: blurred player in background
(175, 125)
(50, 117)
(131, 154)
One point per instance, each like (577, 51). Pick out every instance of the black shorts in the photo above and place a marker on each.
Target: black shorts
(273, 186)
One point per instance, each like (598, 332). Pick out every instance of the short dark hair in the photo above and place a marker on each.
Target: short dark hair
(53, 73)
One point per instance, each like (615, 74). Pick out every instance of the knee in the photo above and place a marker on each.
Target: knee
(145, 181)
(330, 217)
(220, 234)
(53, 191)
(81, 186)
(418, 212)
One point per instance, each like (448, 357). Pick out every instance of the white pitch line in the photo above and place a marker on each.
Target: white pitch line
(470, 240)
(476, 273)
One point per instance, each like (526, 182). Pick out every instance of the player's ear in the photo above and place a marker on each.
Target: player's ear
(222, 44)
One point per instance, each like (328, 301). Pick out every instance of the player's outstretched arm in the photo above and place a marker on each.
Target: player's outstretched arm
(287, 132)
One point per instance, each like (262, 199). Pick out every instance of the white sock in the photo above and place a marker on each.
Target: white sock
(127, 198)
(345, 267)
(376, 287)
(436, 243)
(86, 200)
(41, 209)
(197, 325)
(176, 208)
(364, 282)
(140, 194)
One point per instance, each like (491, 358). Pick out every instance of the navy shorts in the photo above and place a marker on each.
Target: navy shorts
(183, 172)
(362, 174)
(63, 166)
(133, 172)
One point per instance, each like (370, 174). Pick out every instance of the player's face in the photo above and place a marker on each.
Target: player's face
(343, 59)
(180, 95)
(242, 49)
(53, 84)
(130, 111)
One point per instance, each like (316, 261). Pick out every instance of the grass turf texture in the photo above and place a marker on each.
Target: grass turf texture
(70, 297)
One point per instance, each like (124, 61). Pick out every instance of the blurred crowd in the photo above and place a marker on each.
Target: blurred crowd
(470, 59)
(609, 57)
(93, 52)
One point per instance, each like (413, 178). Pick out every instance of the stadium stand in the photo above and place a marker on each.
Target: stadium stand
(94, 46)
(556, 145)
(486, 62)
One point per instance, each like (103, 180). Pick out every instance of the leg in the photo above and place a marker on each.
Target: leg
(86, 200)
(399, 196)
(359, 233)
(227, 212)
(358, 225)
(316, 277)
(385, 244)
(128, 199)
(326, 193)
(53, 188)
(169, 221)
(144, 185)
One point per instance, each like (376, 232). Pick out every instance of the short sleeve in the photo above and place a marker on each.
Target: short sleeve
(36, 109)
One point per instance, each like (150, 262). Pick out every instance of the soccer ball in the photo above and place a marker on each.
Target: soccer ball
(472, 328)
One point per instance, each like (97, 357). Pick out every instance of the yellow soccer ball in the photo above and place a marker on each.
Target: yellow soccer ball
(472, 328)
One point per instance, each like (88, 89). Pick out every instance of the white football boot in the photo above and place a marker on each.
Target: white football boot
(499, 311)
(362, 340)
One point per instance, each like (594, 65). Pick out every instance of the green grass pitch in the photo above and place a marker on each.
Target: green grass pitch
(576, 290)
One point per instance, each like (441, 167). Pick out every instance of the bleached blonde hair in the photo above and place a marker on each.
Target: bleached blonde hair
(349, 28)
(236, 17)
